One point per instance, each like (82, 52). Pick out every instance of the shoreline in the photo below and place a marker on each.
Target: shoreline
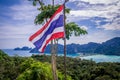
(94, 57)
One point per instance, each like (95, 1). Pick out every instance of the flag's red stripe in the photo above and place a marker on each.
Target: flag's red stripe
(46, 25)
(54, 36)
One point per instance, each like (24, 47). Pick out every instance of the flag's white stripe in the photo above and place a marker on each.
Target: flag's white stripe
(40, 35)
(56, 30)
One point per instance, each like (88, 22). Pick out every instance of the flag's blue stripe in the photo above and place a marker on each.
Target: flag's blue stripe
(54, 24)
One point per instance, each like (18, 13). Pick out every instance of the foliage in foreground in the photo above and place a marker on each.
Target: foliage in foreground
(85, 69)
(24, 68)
(38, 67)
(36, 70)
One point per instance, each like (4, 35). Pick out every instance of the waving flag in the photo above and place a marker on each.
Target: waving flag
(53, 29)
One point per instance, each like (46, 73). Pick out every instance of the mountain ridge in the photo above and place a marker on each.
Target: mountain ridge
(109, 47)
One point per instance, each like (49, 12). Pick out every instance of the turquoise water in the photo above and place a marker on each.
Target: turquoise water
(97, 58)
(103, 58)
(22, 53)
(12, 52)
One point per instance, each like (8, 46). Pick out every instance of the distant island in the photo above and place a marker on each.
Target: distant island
(110, 47)
(23, 48)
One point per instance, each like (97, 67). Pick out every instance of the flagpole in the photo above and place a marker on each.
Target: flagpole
(53, 55)
(65, 74)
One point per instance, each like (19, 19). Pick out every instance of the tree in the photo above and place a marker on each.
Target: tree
(72, 28)
(46, 11)
(35, 70)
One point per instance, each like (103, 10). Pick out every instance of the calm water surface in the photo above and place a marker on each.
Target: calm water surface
(103, 58)
(97, 58)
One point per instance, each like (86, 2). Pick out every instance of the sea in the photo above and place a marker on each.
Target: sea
(97, 58)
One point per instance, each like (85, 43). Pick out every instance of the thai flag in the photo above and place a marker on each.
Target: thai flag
(53, 29)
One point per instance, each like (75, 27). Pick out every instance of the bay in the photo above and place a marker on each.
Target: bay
(102, 58)
(96, 58)
(21, 53)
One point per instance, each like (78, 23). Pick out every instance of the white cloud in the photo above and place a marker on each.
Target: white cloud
(20, 25)
(100, 11)
(17, 31)
(109, 11)
(17, 34)
(24, 11)
(112, 26)
(72, 18)
(98, 37)
(97, 1)
(87, 13)
(84, 27)
(12, 43)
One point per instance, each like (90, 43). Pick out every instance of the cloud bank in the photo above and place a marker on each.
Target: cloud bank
(107, 9)
(101, 18)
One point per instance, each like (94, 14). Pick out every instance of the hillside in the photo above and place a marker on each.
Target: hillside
(110, 47)
(38, 67)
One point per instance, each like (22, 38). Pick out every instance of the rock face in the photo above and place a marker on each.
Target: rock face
(110, 47)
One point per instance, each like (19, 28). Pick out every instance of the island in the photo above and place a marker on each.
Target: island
(109, 47)
(23, 48)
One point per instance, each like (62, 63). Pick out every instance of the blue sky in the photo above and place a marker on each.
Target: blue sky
(101, 18)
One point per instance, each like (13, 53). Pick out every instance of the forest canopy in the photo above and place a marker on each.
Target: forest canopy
(38, 66)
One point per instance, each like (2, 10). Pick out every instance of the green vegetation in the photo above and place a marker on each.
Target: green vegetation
(25, 68)
(38, 67)
(9, 66)
(86, 69)
(35, 70)
(109, 47)
(46, 11)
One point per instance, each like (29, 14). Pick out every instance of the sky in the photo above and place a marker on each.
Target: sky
(101, 19)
